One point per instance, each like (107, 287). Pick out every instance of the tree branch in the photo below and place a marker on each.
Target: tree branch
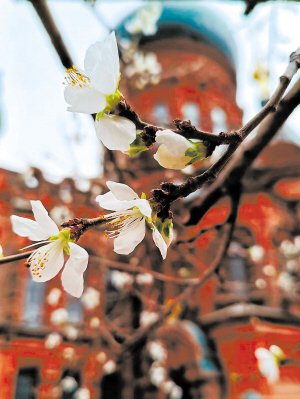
(247, 153)
(169, 192)
(131, 342)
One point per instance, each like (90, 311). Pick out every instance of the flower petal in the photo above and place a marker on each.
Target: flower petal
(27, 228)
(102, 65)
(171, 151)
(42, 218)
(144, 207)
(159, 242)
(175, 143)
(121, 191)
(84, 99)
(115, 132)
(168, 160)
(72, 275)
(47, 261)
(130, 237)
(108, 201)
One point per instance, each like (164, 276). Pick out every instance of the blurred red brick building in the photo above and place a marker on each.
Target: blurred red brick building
(253, 303)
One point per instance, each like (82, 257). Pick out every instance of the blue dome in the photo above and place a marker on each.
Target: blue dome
(200, 21)
(206, 362)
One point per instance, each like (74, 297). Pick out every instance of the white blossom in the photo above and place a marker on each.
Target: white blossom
(145, 20)
(175, 151)
(128, 221)
(157, 351)
(256, 253)
(268, 362)
(90, 298)
(286, 282)
(54, 296)
(82, 393)
(145, 67)
(53, 340)
(95, 322)
(289, 249)
(71, 332)
(176, 392)
(59, 316)
(109, 367)
(173, 390)
(293, 265)
(148, 318)
(47, 261)
(120, 280)
(95, 91)
(157, 374)
(269, 270)
(144, 279)
(69, 384)
(101, 357)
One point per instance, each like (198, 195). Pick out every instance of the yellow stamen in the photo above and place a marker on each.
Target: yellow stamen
(75, 78)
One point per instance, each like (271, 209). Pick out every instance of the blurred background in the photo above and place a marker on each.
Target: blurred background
(238, 336)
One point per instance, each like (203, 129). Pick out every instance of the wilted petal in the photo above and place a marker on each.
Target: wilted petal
(115, 132)
(72, 275)
(101, 64)
(129, 238)
(86, 100)
(46, 261)
(42, 218)
(159, 242)
(121, 191)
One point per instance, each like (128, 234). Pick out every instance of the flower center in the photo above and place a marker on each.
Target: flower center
(122, 221)
(111, 101)
(38, 259)
(75, 78)
(65, 237)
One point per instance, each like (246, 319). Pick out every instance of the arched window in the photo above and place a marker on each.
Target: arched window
(74, 308)
(191, 112)
(161, 114)
(27, 381)
(218, 119)
(33, 306)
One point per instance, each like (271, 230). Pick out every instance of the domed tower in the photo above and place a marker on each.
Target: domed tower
(192, 57)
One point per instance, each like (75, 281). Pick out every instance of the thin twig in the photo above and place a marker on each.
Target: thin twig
(228, 228)
(16, 257)
(44, 13)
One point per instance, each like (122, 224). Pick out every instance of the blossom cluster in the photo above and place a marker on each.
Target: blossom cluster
(95, 90)
(126, 225)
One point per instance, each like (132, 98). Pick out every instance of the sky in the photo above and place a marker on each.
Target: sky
(36, 130)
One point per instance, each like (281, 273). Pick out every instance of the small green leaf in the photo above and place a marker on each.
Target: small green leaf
(197, 152)
(111, 101)
(137, 146)
(165, 228)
